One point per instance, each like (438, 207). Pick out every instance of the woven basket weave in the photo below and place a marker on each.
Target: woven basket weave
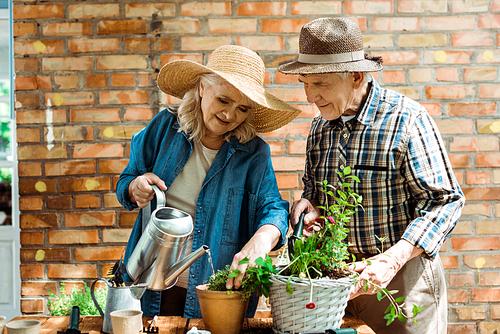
(289, 311)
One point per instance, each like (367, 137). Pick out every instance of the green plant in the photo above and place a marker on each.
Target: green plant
(62, 304)
(324, 252)
(256, 278)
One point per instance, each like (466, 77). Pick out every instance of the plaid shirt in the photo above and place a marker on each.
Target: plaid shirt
(394, 147)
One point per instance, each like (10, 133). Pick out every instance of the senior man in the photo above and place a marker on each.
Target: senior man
(411, 197)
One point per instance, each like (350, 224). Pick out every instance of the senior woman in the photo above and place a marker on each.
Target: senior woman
(206, 156)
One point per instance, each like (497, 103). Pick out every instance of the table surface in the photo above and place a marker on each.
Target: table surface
(177, 325)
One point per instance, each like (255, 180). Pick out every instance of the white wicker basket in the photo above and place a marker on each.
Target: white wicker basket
(290, 314)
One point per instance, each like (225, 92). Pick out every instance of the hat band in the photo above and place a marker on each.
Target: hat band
(331, 58)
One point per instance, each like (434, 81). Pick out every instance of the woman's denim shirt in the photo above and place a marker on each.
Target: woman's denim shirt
(238, 196)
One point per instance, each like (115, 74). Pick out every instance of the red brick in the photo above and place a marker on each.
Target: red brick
(32, 306)
(447, 57)
(418, 6)
(485, 295)
(127, 219)
(397, 23)
(31, 271)
(461, 280)
(141, 44)
(138, 113)
(203, 43)
(291, 129)
(118, 132)
(193, 57)
(84, 184)
(478, 177)
(124, 97)
(67, 64)
(368, 7)
(29, 169)
(468, 109)
(116, 235)
(286, 164)
(37, 11)
(93, 45)
(122, 27)
(457, 296)
(110, 201)
(38, 288)
(447, 74)
(59, 202)
(478, 243)
(484, 194)
(70, 98)
(123, 80)
(26, 65)
(98, 253)
(449, 92)
(66, 81)
(94, 115)
(489, 91)
(399, 57)
(394, 77)
(480, 74)
(460, 160)
(455, 127)
(206, 8)
(70, 167)
(45, 255)
(96, 80)
(450, 23)
(472, 39)
(24, 29)
(92, 218)
(316, 8)
(67, 29)
(149, 9)
(449, 261)
(92, 11)
(231, 26)
(487, 227)
(40, 220)
(25, 83)
(31, 238)
(269, 8)
(287, 181)
(73, 237)
(71, 271)
(482, 261)
(179, 27)
(86, 201)
(27, 187)
(489, 21)
(38, 47)
(261, 42)
(281, 26)
(489, 278)
(277, 147)
(469, 6)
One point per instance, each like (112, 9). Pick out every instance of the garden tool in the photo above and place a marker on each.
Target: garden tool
(74, 322)
(297, 232)
(156, 259)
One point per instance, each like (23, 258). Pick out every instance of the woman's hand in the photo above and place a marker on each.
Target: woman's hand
(140, 191)
(259, 245)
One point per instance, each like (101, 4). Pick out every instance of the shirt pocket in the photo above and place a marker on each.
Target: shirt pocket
(239, 214)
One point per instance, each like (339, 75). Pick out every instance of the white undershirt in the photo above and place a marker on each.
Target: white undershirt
(184, 191)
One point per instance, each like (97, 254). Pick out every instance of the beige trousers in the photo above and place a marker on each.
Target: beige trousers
(422, 282)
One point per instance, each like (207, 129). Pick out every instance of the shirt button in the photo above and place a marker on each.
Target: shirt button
(190, 298)
(200, 207)
(342, 167)
(199, 231)
(345, 135)
(192, 276)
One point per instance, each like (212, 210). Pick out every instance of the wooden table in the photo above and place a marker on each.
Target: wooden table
(177, 325)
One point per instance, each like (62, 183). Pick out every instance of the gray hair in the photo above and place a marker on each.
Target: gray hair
(345, 75)
(190, 115)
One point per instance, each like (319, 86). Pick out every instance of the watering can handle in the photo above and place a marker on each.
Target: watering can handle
(92, 286)
(160, 202)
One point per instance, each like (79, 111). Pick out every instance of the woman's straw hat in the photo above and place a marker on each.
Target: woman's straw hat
(328, 45)
(243, 69)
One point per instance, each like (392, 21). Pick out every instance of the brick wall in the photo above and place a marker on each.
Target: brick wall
(97, 60)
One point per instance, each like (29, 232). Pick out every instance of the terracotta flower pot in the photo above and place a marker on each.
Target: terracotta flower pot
(222, 313)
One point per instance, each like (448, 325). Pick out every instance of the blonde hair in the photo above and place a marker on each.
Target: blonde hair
(190, 115)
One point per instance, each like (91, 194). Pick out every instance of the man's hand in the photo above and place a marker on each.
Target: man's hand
(383, 267)
(140, 191)
(301, 205)
(259, 245)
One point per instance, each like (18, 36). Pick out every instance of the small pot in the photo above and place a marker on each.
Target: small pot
(222, 313)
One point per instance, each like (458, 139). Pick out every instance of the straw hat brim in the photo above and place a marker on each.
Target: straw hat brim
(175, 78)
(363, 65)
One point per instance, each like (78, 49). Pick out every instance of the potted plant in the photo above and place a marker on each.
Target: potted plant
(311, 292)
(223, 310)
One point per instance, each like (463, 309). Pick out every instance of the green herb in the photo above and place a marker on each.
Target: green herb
(62, 304)
(256, 278)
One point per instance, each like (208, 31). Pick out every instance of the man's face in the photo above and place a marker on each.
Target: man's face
(329, 93)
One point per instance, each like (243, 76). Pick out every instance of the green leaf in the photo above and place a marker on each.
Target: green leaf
(244, 261)
(401, 318)
(379, 295)
(399, 299)
(347, 170)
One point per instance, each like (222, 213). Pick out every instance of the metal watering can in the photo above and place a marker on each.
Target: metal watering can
(155, 260)
(126, 297)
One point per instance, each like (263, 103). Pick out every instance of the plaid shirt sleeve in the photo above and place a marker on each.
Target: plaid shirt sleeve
(439, 199)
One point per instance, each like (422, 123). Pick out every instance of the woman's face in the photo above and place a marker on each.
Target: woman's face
(223, 108)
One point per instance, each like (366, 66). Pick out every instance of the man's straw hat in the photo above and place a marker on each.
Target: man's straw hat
(329, 45)
(243, 69)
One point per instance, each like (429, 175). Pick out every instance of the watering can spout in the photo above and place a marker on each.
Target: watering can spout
(138, 290)
(177, 268)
